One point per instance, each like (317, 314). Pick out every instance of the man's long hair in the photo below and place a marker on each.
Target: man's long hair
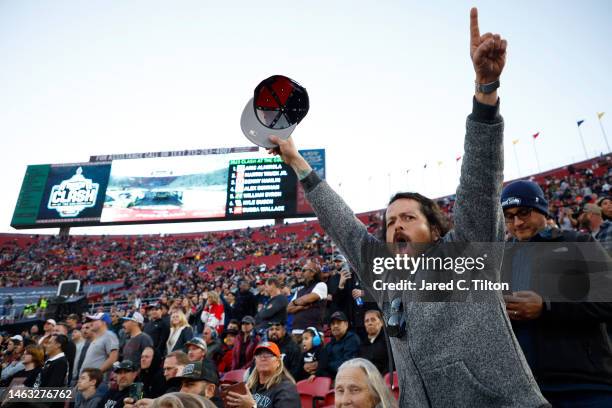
(435, 217)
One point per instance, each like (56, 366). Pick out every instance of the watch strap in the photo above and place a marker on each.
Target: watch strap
(487, 88)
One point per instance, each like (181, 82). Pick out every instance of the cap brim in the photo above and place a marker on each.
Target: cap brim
(258, 133)
(258, 348)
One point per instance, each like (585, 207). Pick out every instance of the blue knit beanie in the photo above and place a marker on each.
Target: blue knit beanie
(524, 193)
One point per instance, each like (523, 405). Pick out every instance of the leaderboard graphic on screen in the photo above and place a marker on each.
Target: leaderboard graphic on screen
(198, 185)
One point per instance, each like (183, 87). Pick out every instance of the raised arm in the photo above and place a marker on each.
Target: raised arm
(335, 216)
(477, 210)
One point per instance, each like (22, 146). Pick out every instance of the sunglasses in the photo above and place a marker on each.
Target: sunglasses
(264, 356)
(396, 324)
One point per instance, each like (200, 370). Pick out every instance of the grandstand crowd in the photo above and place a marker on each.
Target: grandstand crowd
(273, 306)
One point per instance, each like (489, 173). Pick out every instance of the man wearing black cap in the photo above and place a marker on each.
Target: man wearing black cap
(199, 379)
(158, 328)
(292, 356)
(565, 343)
(343, 346)
(126, 373)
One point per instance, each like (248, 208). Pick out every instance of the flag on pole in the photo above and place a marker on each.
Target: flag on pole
(515, 141)
(580, 122)
(600, 114)
(535, 136)
(458, 158)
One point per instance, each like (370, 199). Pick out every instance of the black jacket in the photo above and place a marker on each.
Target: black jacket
(315, 354)
(70, 353)
(54, 374)
(246, 305)
(114, 398)
(274, 311)
(292, 355)
(283, 395)
(152, 378)
(376, 352)
(568, 344)
(159, 330)
(337, 352)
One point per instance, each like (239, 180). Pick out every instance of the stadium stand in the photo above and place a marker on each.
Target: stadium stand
(122, 275)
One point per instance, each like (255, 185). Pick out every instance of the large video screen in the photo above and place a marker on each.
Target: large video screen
(224, 184)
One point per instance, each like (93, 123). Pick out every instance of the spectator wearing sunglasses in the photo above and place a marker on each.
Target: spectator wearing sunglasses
(308, 303)
(548, 330)
(458, 354)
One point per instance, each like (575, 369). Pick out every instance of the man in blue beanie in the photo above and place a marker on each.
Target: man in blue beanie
(565, 343)
(524, 200)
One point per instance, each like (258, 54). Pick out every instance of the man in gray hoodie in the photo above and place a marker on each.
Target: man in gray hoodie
(454, 354)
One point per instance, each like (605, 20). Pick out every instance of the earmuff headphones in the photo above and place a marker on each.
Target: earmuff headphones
(316, 338)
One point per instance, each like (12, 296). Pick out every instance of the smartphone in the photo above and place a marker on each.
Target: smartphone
(136, 391)
(239, 388)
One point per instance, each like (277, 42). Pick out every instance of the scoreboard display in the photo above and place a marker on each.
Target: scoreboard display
(183, 186)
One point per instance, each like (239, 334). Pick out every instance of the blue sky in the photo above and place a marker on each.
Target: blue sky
(390, 84)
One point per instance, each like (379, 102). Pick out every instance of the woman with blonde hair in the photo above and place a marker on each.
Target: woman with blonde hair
(359, 384)
(180, 332)
(269, 384)
(213, 314)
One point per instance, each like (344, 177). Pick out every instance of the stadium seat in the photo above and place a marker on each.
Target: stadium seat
(233, 377)
(330, 399)
(313, 393)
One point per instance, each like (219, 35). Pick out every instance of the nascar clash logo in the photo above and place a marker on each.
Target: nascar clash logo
(74, 195)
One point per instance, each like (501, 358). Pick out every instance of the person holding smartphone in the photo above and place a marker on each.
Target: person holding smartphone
(126, 372)
(269, 385)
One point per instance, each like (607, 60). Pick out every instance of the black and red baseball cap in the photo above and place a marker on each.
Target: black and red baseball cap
(279, 103)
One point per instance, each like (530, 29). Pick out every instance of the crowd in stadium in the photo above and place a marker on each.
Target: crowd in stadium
(105, 353)
(148, 263)
(298, 319)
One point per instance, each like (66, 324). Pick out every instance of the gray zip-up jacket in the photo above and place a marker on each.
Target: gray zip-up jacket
(454, 354)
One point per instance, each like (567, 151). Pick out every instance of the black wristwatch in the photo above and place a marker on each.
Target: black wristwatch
(487, 88)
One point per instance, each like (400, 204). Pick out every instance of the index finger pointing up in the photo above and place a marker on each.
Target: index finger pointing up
(474, 30)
